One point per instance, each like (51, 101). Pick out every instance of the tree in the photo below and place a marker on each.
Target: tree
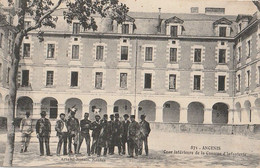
(42, 13)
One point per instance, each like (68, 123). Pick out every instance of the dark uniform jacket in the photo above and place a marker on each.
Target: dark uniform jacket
(85, 126)
(117, 132)
(133, 131)
(73, 126)
(110, 130)
(60, 125)
(43, 127)
(96, 127)
(125, 129)
(104, 134)
(145, 128)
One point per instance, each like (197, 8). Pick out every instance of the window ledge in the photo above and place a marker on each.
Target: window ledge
(74, 87)
(222, 64)
(199, 63)
(50, 86)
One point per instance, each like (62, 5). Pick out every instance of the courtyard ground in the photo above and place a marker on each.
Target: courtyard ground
(166, 150)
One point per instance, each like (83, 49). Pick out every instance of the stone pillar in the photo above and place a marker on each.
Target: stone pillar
(36, 111)
(245, 116)
(61, 109)
(110, 109)
(207, 116)
(159, 114)
(183, 115)
(85, 109)
(231, 116)
(255, 112)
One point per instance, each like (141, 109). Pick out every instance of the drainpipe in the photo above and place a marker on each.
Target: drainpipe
(234, 85)
(136, 56)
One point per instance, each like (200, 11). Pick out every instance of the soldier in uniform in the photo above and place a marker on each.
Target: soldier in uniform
(125, 123)
(117, 133)
(96, 127)
(85, 125)
(26, 130)
(111, 138)
(133, 136)
(103, 137)
(73, 130)
(144, 133)
(43, 131)
(62, 133)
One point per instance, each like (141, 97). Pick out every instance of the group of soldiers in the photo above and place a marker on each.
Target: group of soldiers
(106, 134)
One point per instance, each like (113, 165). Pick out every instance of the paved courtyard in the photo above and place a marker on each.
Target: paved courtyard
(166, 150)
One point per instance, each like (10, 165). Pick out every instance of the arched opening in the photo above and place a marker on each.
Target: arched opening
(76, 103)
(50, 105)
(247, 105)
(195, 113)
(122, 107)
(1, 106)
(257, 105)
(24, 104)
(171, 112)
(6, 105)
(148, 108)
(238, 112)
(97, 105)
(220, 113)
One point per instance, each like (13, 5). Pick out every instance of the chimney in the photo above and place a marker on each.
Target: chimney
(194, 10)
(159, 21)
(215, 11)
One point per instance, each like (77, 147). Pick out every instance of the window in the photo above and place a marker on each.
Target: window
(258, 75)
(75, 51)
(123, 80)
(148, 53)
(240, 27)
(249, 48)
(248, 78)
(98, 81)
(222, 56)
(1, 72)
(221, 83)
(222, 31)
(196, 85)
(147, 81)
(172, 81)
(239, 54)
(76, 28)
(174, 31)
(25, 78)
(125, 28)
(197, 55)
(99, 53)
(1, 40)
(50, 50)
(173, 55)
(27, 24)
(238, 82)
(49, 78)
(10, 46)
(26, 50)
(53, 109)
(74, 79)
(7, 76)
(124, 53)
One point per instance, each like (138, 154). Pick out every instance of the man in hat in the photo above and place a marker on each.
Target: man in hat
(26, 130)
(103, 137)
(62, 133)
(144, 133)
(96, 127)
(117, 133)
(73, 130)
(133, 136)
(43, 131)
(125, 123)
(111, 138)
(85, 125)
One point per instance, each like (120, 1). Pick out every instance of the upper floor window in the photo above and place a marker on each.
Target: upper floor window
(49, 78)
(248, 48)
(222, 31)
(174, 31)
(147, 80)
(98, 80)
(124, 52)
(100, 53)
(172, 82)
(197, 55)
(74, 79)
(196, 82)
(239, 54)
(222, 56)
(123, 80)
(25, 78)
(50, 50)
(149, 54)
(240, 27)
(27, 24)
(222, 27)
(221, 83)
(1, 39)
(7, 76)
(76, 28)
(26, 50)
(1, 70)
(75, 51)
(248, 78)
(173, 55)
(125, 28)
(238, 82)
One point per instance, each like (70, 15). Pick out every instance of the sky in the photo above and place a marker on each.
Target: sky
(232, 7)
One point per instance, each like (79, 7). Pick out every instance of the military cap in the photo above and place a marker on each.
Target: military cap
(27, 113)
(116, 115)
(126, 115)
(72, 112)
(143, 116)
(132, 116)
(112, 115)
(105, 115)
(62, 114)
(43, 113)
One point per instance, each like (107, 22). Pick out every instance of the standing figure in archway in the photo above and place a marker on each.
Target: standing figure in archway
(73, 129)
(26, 130)
(117, 133)
(96, 127)
(62, 132)
(111, 138)
(144, 133)
(126, 123)
(133, 136)
(103, 137)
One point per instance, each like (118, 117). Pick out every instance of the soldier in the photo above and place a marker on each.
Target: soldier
(111, 138)
(43, 131)
(144, 133)
(73, 130)
(133, 136)
(96, 127)
(62, 133)
(26, 130)
(103, 137)
(117, 133)
(125, 123)
(85, 125)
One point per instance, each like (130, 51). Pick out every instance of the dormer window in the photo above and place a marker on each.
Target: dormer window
(174, 26)
(125, 29)
(222, 31)
(174, 31)
(242, 21)
(222, 27)
(128, 26)
(76, 28)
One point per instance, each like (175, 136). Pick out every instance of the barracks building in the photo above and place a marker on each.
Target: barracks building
(177, 68)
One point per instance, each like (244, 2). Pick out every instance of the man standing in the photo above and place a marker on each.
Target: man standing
(133, 136)
(73, 129)
(144, 133)
(96, 127)
(85, 125)
(117, 133)
(43, 131)
(103, 137)
(26, 130)
(62, 133)
(125, 123)
(111, 138)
